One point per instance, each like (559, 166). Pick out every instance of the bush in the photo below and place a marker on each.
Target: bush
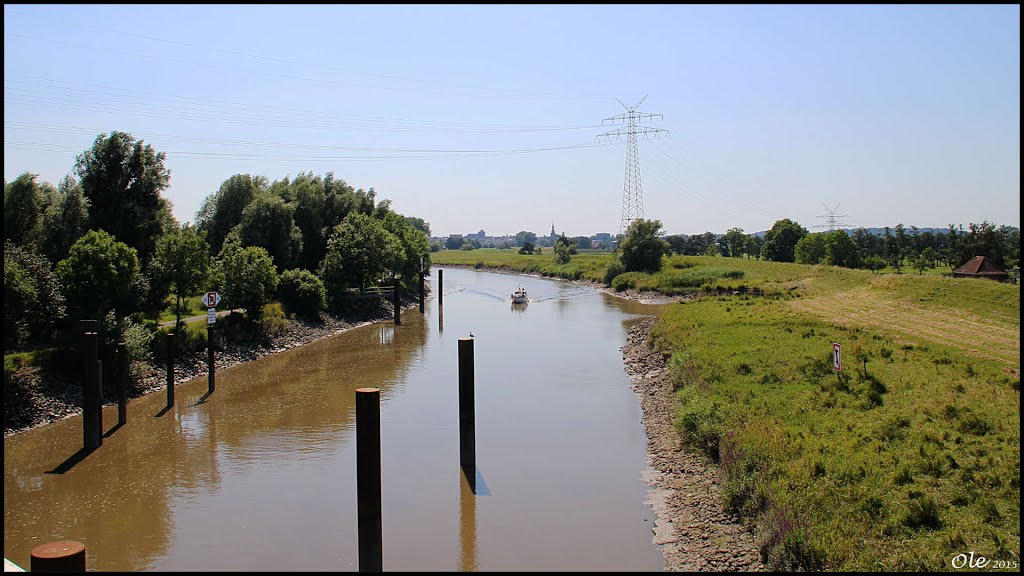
(302, 293)
(613, 270)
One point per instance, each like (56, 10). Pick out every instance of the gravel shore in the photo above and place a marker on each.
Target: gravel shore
(35, 396)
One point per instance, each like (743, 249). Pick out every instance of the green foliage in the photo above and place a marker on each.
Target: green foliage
(250, 278)
(182, 258)
(302, 293)
(642, 249)
(810, 249)
(25, 201)
(269, 223)
(528, 248)
(467, 246)
(65, 221)
(613, 270)
(780, 242)
(33, 299)
(99, 275)
(874, 263)
(122, 179)
(736, 240)
(840, 250)
(564, 250)
(222, 210)
(454, 242)
(436, 246)
(359, 253)
(523, 237)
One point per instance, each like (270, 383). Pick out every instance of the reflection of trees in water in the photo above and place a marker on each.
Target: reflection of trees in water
(117, 501)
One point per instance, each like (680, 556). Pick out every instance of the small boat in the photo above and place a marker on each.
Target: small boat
(519, 296)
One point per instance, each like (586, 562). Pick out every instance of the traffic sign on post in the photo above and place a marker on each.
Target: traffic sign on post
(837, 357)
(211, 299)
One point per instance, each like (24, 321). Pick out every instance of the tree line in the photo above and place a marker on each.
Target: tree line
(103, 244)
(897, 247)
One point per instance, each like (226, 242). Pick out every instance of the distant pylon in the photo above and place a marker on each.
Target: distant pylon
(832, 221)
(632, 188)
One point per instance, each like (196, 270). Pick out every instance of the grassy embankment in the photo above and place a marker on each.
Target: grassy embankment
(907, 458)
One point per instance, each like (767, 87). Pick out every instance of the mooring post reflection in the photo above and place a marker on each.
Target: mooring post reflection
(467, 521)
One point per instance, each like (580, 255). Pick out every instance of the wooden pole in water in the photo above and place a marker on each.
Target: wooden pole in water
(371, 555)
(467, 413)
(122, 383)
(422, 291)
(440, 287)
(211, 369)
(398, 303)
(169, 347)
(64, 556)
(92, 428)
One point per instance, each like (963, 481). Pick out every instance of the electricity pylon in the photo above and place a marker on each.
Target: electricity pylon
(832, 221)
(632, 191)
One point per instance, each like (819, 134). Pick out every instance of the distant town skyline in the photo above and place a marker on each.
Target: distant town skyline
(900, 113)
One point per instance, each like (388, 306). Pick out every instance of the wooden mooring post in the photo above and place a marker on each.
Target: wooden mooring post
(92, 425)
(422, 291)
(397, 294)
(467, 412)
(368, 479)
(63, 556)
(122, 382)
(169, 347)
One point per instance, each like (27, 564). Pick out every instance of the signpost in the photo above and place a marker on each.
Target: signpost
(211, 299)
(837, 357)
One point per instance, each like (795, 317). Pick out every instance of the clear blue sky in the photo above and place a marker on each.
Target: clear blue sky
(894, 113)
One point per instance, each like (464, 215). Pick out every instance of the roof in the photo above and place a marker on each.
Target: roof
(980, 266)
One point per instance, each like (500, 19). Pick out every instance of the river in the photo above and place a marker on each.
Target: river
(261, 476)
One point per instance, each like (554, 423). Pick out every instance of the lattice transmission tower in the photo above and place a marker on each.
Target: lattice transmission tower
(832, 220)
(632, 189)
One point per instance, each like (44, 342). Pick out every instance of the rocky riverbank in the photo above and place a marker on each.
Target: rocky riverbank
(690, 524)
(35, 396)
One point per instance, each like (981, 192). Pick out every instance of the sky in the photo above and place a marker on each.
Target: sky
(488, 116)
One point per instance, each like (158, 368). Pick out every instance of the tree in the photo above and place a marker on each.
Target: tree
(467, 246)
(981, 240)
(183, 260)
(677, 242)
(222, 210)
(25, 200)
(753, 246)
(582, 242)
(840, 250)
(122, 178)
(250, 278)
(527, 248)
(641, 250)
(900, 242)
(268, 222)
(33, 302)
(415, 247)
(874, 263)
(810, 249)
(454, 242)
(522, 237)
(564, 249)
(780, 241)
(736, 240)
(924, 260)
(65, 221)
(99, 275)
(419, 224)
(302, 293)
(359, 252)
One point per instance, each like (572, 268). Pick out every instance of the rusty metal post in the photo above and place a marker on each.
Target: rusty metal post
(169, 347)
(440, 287)
(211, 369)
(92, 428)
(122, 383)
(398, 303)
(368, 479)
(467, 412)
(99, 399)
(63, 556)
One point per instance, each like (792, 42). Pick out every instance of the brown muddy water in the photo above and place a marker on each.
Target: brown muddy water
(261, 475)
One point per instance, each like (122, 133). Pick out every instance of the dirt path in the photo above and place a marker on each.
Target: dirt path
(862, 307)
(694, 531)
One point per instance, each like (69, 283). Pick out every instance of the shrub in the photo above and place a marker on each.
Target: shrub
(302, 293)
(613, 270)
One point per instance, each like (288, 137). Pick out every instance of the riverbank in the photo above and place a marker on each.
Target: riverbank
(691, 526)
(35, 396)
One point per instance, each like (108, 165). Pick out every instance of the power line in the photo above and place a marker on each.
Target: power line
(832, 220)
(632, 192)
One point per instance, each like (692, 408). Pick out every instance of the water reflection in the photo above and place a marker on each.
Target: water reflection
(261, 475)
